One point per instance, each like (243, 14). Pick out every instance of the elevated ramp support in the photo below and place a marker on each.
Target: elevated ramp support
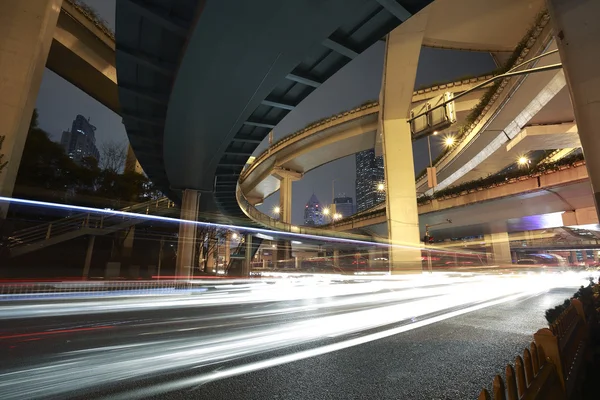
(403, 47)
(26, 33)
(187, 234)
(577, 34)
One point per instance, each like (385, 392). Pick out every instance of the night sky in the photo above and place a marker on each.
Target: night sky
(59, 102)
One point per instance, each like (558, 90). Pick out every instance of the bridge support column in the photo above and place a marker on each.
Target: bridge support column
(227, 254)
(88, 257)
(248, 260)
(26, 32)
(286, 177)
(403, 47)
(187, 234)
(336, 258)
(500, 247)
(578, 37)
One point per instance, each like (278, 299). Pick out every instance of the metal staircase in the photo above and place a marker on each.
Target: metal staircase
(237, 259)
(38, 237)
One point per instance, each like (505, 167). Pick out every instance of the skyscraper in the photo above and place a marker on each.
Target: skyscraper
(312, 212)
(344, 206)
(369, 173)
(81, 141)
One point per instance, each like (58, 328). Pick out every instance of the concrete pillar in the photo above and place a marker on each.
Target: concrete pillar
(248, 260)
(26, 32)
(577, 34)
(500, 247)
(336, 258)
(160, 255)
(372, 254)
(403, 47)
(227, 249)
(286, 177)
(187, 234)
(128, 243)
(574, 257)
(88, 257)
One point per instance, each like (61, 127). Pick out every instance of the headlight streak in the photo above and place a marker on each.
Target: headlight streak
(82, 370)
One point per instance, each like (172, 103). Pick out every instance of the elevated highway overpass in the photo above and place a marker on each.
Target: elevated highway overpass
(553, 199)
(332, 138)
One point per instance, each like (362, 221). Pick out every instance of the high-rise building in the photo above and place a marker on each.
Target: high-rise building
(312, 212)
(369, 173)
(81, 141)
(344, 206)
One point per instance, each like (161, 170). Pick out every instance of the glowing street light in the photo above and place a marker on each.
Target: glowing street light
(276, 210)
(449, 141)
(326, 211)
(337, 216)
(435, 133)
(523, 161)
(381, 186)
(234, 235)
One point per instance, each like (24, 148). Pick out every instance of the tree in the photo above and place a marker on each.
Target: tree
(112, 156)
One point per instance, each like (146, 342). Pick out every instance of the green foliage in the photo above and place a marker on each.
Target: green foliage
(47, 173)
(493, 180)
(585, 294)
(93, 16)
(552, 314)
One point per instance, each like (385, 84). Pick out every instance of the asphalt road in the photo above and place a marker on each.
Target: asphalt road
(441, 337)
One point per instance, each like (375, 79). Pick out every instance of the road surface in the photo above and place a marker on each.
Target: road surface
(431, 337)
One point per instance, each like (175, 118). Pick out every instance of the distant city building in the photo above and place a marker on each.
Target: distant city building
(344, 206)
(369, 173)
(81, 141)
(312, 212)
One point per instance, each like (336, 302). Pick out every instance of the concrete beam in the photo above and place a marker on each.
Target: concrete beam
(281, 173)
(581, 216)
(545, 137)
(278, 104)
(303, 80)
(259, 124)
(340, 48)
(84, 56)
(395, 9)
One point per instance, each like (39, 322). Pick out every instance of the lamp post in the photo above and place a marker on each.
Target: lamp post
(448, 142)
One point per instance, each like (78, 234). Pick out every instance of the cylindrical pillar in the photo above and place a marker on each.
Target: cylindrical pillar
(187, 234)
(577, 34)
(285, 200)
(248, 259)
(26, 33)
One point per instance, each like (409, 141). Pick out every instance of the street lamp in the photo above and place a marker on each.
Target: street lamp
(276, 210)
(234, 235)
(326, 211)
(381, 186)
(449, 141)
(523, 161)
(337, 216)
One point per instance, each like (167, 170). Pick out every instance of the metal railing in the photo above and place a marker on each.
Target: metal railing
(17, 290)
(83, 221)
